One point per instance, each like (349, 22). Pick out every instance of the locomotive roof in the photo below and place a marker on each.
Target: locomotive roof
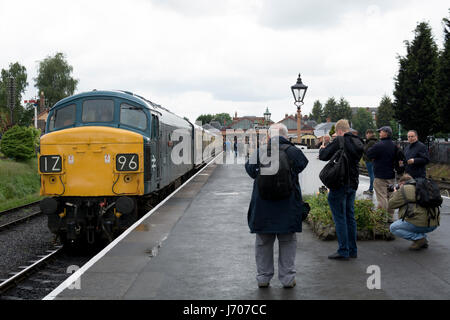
(115, 93)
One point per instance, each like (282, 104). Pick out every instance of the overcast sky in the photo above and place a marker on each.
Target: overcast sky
(211, 56)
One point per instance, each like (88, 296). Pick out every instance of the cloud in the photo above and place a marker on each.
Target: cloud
(312, 14)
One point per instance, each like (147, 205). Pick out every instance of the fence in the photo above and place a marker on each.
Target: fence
(439, 151)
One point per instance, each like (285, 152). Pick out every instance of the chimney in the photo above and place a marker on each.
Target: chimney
(235, 114)
(328, 119)
(286, 115)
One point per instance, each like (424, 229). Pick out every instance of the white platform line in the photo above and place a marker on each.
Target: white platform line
(76, 275)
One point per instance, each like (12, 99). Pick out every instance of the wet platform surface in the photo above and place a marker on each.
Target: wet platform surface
(197, 245)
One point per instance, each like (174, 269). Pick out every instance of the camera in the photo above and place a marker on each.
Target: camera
(392, 187)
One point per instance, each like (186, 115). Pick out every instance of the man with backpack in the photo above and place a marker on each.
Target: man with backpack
(341, 197)
(418, 202)
(276, 207)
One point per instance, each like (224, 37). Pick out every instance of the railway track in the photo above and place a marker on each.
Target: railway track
(14, 222)
(18, 277)
(31, 204)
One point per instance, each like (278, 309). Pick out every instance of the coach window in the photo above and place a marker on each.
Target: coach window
(133, 116)
(98, 111)
(62, 117)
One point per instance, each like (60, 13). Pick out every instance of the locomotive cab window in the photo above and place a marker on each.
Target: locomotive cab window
(133, 116)
(62, 117)
(98, 111)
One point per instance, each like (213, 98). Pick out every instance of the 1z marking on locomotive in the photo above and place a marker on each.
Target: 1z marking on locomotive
(50, 163)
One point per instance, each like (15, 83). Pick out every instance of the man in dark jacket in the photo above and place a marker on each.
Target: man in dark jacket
(280, 219)
(416, 155)
(342, 200)
(383, 154)
(370, 142)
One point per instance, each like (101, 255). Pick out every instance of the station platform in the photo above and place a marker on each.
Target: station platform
(197, 246)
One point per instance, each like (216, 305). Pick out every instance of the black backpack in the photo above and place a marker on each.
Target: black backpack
(335, 173)
(428, 195)
(280, 185)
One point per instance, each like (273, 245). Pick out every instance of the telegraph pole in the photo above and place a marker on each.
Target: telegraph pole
(11, 96)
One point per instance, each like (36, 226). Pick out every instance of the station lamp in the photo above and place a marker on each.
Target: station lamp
(299, 91)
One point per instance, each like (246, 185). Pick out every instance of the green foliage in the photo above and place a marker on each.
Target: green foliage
(367, 218)
(20, 183)
(330, 110)
(54, 78)
(385, 112)
(443, 83)
(344, 110)
(415, 85)
(205, 118)
(223, 118)
(19, 142)
(332, 130)
(317, 112)
(362, 121)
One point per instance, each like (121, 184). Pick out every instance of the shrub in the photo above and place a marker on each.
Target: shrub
(371, 223)
(19, 142)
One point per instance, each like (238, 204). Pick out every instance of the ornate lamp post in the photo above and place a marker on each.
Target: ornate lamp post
(299, 91)
(267, 115)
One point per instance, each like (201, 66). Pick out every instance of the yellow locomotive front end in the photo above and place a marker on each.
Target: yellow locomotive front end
(91, 176)
(91, 161)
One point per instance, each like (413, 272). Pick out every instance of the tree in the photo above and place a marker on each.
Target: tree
(362, 121)
(443, 91)
(54, 78)
(344, 111)
(415, 102)
(385, 112)
(19, 73)
(223, 118)
(205, 118)
(332, 131)
(330, 110)
(317, 112)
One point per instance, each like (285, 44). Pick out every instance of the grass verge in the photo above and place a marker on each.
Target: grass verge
(19, 183)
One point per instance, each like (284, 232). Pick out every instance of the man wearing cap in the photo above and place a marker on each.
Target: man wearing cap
(383, 155)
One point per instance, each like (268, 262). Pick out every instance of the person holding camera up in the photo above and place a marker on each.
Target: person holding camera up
(415, 221)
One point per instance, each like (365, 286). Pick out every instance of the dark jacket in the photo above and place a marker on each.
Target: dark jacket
(417, 151)
(369, 144)
(354, 148)
(282, 216)
(383, 155)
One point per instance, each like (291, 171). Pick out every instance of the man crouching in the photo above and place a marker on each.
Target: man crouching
(414, 221)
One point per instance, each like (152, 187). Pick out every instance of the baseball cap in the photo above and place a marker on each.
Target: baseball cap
(386, 129)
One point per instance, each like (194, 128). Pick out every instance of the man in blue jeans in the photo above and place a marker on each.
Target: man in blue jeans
(370, 141)
(342, 200)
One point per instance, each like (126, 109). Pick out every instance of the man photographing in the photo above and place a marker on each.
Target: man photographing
(414, 221)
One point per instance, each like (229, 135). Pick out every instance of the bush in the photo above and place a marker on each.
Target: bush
(371, 223)
(19, 142)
